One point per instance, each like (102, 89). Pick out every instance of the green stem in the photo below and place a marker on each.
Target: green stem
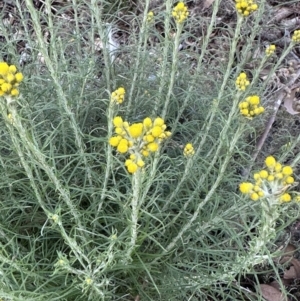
(173, 69)
(163, 76)
(109, 156)
(136, 72)
(135, 206)
(97, 12)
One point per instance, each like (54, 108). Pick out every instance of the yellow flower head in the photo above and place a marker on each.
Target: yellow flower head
(250, 107)
(159, 121)
(140, 163)
(296, 36)
(285, 198)
(123, 146)
(118, 121)
(9, 80)
(254, 196)
(147, 123)
(136, 130)
(4, 68)
(12, 69)
(287, 170)
(153, 147)
(156, 131)
(188, 150)
(118, 95)
(150, 16)
(245, 7)
(270, 162)
(114, 141)
(138, 139)
(132, 167)
(263, 174)
(19, 77)
(242, 82)
(180, 12)
(246, 187)
(270, 50)
(271, 183)
(289, 180)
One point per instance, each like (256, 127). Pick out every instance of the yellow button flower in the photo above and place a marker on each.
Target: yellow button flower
(140, 163)
(114, 141)
(19, 77)
(188, 150)
(245, 7)
(118, 121)
(180, 12)
(263, 174)
(118, 95)
(246, 187)
(270, 162)
(254, 196)
(12, 69)
(136, 130)
(4, 68)
(149, 138)
(132, 167)
(159, 121)
(9, 81)
(296, 36)
(156, 131)
(289, 180)
(287, 170)
(285, 197)
(242, 82)
(123, 146)
(270, 50)
(153, 146)
(150, 16)
(147, 123)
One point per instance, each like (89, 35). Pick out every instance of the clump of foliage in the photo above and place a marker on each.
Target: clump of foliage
(122, 180)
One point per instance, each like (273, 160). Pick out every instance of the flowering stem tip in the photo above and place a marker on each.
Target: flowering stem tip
(245, 7)
(118, 95)
(250, 107)
(188, 150)
(138, 139)
(9, 80)
(242, 82)
(180, 12)
(270, 183)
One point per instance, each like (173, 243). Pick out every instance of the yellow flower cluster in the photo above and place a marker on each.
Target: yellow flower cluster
(250, 106)
(138, 139)
(9, 79)
(118, 95)
(270, 50)
(150, 16)
(180, 12)
(188, 150)
(296, 36)
(242, 82)
(245, 7)
(272, 181)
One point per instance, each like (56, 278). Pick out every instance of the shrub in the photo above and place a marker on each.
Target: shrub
(122, 164)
